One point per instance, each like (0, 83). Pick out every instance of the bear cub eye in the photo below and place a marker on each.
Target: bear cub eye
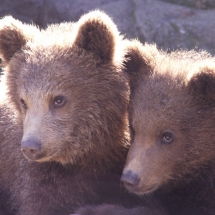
(167, 137)
(23, 104)
(59, 101)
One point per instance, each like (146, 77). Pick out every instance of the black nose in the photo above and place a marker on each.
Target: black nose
(31, 149)
(130, 179)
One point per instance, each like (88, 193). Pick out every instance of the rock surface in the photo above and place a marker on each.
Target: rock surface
(171, 24)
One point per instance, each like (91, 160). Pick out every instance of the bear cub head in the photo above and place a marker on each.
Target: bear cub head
(67, 86)
(171, 115)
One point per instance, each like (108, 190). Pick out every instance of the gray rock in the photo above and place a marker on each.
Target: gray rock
(169, 25)
(200, 4)
(26, 10)
(173, 26)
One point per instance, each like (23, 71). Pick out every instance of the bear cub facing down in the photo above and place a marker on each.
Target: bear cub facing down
(63, 131)
(172, 118)
(171, 161)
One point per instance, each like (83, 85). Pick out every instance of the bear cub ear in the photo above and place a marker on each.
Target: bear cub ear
(97, 34)
(203, 83)
(13, 35)
(139, 61)
(134, 60)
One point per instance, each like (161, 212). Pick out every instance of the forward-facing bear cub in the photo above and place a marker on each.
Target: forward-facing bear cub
(63, 133)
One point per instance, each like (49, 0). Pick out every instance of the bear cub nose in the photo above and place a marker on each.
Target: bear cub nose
(31, 149)
(130, 179)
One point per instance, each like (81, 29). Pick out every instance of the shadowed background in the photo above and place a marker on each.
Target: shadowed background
(171, 24)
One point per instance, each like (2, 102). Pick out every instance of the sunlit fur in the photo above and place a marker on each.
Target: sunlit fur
(83, 142)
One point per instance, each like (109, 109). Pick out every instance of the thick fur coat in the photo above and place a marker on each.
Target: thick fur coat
(171, 161)
(63, 125)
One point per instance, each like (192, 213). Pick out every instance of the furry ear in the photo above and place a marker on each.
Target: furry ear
(134, 61)
(203, 83)
(97, 34)
(13, 35)
(139, 61)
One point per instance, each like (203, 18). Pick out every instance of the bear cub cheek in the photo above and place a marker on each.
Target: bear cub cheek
(147, 166)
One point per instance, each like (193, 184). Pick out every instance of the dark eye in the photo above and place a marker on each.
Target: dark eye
(167, 137)
(23, 104)
(59, 101)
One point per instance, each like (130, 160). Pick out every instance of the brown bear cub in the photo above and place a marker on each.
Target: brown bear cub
(63, 133)
(172, 121)
(172, 118)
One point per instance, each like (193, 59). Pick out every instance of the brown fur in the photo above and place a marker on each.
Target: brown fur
(173, 93)
(170, 93)
(83, 142)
